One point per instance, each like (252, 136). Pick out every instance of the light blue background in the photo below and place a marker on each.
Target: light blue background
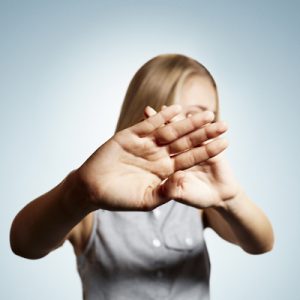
(64, 70)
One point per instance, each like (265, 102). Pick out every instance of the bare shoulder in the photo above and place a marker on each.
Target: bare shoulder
(81, 233)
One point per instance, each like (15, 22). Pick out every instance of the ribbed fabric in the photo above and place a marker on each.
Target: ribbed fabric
(160, 254)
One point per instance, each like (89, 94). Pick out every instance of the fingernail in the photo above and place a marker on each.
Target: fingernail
(224, 125)
(209, 115)
(224, 143)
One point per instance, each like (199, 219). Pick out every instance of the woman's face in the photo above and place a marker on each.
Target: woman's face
(198, 94)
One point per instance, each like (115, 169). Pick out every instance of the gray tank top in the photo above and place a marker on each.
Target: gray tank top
(160, 254)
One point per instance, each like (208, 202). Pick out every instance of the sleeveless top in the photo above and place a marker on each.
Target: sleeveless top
(159, 254)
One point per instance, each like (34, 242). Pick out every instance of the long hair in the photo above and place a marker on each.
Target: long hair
(159, 82)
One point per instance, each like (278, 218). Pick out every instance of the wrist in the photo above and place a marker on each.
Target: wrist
(75, 200)
(231, 203)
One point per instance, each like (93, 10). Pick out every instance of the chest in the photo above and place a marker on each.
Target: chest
(172, 233)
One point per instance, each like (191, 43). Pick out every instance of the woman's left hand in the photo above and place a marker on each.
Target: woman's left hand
(204, 185)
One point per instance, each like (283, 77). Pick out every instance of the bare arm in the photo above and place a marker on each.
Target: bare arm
(43, 224)
(141, 154)
(212, 219)
(212, 187)
(240, 221)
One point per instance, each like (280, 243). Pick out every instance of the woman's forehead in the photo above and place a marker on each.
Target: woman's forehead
(199, 92)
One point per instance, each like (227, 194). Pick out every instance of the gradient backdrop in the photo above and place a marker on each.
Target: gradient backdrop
(64, 69)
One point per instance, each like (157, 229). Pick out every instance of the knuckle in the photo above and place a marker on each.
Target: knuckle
(205, 153)
(148, 124)
(166, 134)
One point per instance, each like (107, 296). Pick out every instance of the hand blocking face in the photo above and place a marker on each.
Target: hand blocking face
(126, 172)
(203, 136)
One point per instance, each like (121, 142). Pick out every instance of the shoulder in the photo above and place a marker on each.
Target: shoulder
(81, 233)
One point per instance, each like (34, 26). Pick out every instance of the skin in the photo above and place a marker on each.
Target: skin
(173, 154)
(142, 155)
(211, 185)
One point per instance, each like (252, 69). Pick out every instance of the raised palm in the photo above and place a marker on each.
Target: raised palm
(204, 185)
(207, 183)
(127, 172)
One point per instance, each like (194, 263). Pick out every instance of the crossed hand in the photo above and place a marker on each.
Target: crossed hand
(159, 159)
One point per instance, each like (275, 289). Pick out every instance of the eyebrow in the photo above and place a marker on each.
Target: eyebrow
(204, 108)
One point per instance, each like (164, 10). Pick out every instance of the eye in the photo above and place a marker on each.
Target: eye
(191, 113)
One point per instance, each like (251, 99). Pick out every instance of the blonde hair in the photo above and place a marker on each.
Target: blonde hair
(159, 82)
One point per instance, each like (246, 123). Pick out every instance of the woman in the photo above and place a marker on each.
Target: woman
(136, 209)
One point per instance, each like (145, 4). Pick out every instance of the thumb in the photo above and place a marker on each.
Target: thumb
(173, 186)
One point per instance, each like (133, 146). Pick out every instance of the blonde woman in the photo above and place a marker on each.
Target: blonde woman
(136, 209)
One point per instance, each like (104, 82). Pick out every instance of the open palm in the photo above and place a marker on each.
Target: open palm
(204, 185)
(127, 172)
(207, 183)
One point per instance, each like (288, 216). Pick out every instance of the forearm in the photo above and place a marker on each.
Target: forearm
(250, 225)
(42, 225)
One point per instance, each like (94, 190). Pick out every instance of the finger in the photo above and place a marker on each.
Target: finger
(175, 130)
(152, 123)
(175, 119)
(198, 137)
(172, 187)
(199, 154)
(149, 111)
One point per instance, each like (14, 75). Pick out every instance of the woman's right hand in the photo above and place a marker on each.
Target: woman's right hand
(126, 172)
